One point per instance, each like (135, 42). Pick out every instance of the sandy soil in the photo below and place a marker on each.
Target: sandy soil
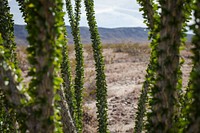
(125, 71)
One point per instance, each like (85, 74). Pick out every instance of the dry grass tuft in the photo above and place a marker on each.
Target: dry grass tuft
(132, 49)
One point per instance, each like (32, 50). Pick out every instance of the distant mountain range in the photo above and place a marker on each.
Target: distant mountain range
(108, 35)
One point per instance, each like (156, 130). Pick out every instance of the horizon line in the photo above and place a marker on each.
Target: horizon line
(100, 27)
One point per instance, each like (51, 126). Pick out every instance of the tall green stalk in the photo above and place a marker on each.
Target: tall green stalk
(7, 115)
(10, 86)
(150, 10)
(101, 92)
(74, 19)
(45, 26)
(68, 90)
(192, 108)
(180, 118)
(66, 117)
(7, 29)
(164, 93)
(152, 21)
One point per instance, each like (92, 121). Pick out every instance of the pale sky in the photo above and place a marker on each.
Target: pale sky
(109, 13)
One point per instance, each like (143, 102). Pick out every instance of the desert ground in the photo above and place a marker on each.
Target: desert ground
(125, 70)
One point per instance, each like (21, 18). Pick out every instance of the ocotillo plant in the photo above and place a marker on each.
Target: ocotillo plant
(46, 39)
(7, 29)
(180, 118)
(22, 7)
(45, 26)
(7, 116)
(152, 17)
(74, 19)
(68, 123)
(160, 34)
(10, 86)
(101, 92)
(164, 93)
(68, 90)
(193, 117)
(36, 107)
(152, 21)
(66, 93)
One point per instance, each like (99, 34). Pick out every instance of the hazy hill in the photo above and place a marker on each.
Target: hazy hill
(108, 35)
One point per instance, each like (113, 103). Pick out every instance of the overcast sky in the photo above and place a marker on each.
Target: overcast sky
(109, 13)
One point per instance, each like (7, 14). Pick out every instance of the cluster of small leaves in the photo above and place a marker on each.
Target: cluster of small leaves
(22, 7)
(7, 116)
(65, 69)
(66, 76)
(7, 29)
(74, 19)
(187, 10)
(1, 40)
(151, 95)
(67, 80)
(192, 109)
(180, 119)
(101, 92)
(10, 82)
(152, 21)
(59, 30)
(45, 26)
(7, 121)
(164, 93)
(34, 52)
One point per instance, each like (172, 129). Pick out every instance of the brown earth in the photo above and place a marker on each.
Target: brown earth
(125, 71)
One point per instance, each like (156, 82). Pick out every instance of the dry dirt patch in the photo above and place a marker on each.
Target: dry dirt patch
(125, 71)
